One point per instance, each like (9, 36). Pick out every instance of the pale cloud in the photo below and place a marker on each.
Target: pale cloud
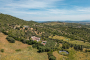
(47, 10)
(84, 10)
(29, 3)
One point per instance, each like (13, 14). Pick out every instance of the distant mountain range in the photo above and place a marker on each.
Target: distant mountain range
(85, 21)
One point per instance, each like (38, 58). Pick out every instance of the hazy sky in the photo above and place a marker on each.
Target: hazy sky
(47, 10)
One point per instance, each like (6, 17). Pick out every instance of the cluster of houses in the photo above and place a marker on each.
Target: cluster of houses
(38, 39)
(34, 38)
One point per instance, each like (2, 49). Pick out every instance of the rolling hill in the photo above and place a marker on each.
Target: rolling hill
(16, 42)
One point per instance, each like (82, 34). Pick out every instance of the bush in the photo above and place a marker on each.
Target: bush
(5, 32)
(10, 39)
(2, 50)
(18, 50)
(87, 50)
(30, 48)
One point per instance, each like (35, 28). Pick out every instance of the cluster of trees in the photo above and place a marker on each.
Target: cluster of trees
(50, 46)
(76, 47)
(67, 45)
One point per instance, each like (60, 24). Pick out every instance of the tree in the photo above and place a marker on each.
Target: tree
(23, 41)
(29, 42)
(36, 28)
(34, 46)
(21, 26)
(26, 28)
(18, 28)
(47, 49)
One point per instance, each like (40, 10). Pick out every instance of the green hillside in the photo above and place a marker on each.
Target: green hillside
(8, 19)
(56, 36)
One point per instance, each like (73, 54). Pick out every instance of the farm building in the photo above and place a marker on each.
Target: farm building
(44, 42)
(35, 38)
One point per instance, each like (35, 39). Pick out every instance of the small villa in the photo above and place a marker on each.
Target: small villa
(26, 26)
(38, 39)
(35, 38)
(44, 42)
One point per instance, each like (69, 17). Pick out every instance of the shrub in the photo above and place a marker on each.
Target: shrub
(5, 32)
(2, 50)
(10, 39)
(30, 48)
(87, 50)
(18, 50)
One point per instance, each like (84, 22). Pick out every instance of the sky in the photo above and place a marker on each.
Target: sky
(47, 10)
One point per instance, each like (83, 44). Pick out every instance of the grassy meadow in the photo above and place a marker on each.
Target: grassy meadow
(70, 41)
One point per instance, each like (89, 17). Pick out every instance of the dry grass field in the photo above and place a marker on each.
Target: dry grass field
(68, 40)
(26, 53)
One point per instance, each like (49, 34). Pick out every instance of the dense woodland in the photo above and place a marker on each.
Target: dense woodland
(18, 29)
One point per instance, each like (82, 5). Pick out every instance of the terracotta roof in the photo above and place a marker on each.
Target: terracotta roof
(35, 38)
